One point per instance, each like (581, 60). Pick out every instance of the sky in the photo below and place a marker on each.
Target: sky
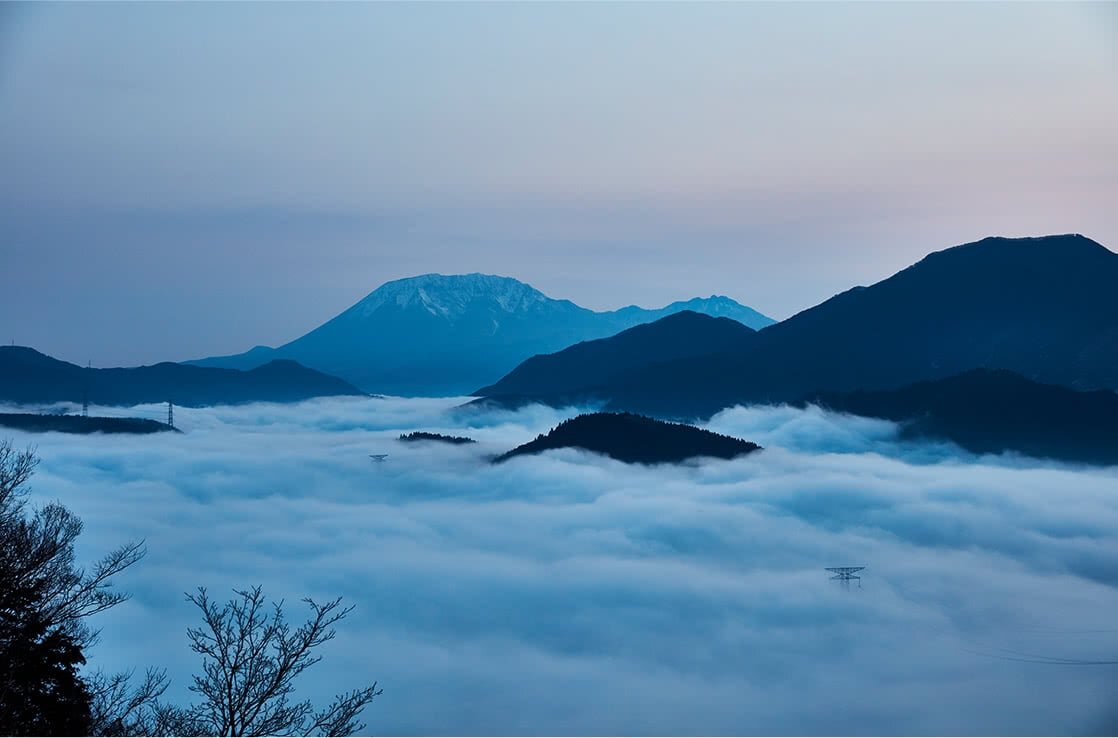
(180, 180)
(568, 594)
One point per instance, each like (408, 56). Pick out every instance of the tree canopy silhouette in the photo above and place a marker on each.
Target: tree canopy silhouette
(44, 601)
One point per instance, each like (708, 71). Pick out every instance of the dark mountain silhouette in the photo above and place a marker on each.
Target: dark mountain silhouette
(635, 439)
(582, 400)
(988, 411)
(1046, 308)
(591, 364)
(447, 335)
(80, 424)
(27, 376)
(437, 437)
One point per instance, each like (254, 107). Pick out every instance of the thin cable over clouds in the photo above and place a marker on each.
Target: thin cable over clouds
(568, 593)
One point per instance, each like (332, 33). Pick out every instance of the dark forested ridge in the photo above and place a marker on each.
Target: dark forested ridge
(27, 376)
(635, 439)
(35, 423)
(1045, 308)
(996, 411)
(436, 437)
(591, 364)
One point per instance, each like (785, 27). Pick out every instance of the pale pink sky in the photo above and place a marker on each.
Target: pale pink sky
(178, 180)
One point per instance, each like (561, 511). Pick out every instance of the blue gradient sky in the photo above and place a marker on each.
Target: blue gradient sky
(179, 180)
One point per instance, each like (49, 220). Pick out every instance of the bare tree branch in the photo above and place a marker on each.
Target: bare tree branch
(251, 658)
(119, 710)
(38, 548)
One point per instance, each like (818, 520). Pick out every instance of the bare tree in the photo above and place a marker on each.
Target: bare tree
(251, 658)
(118, 709)
(39, 547)
(16, 467)
(44, 601)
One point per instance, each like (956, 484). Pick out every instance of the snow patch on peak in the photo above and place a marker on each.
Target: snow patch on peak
(449, 296)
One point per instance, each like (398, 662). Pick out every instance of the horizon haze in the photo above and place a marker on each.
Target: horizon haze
(246, 172)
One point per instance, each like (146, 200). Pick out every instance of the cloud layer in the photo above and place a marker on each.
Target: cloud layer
(568, 594)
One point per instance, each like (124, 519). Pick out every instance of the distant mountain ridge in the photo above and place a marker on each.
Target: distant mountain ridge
(1045, 308)
(993, 411)
(447, 335)
(28, 376)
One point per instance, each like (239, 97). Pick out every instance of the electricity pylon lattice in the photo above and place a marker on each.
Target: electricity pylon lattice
(85, 392)
(845, 573)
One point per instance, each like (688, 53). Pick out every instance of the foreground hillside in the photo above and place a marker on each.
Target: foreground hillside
(635, 439)
(27, 376)
(449, 334)
(997, 411)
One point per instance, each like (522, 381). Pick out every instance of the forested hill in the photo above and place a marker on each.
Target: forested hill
(34, 423)
(635, 439)
(995, 411)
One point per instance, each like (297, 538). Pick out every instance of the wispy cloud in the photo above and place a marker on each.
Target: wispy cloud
(568, 593)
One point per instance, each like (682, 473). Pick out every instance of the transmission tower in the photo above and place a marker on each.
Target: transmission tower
(85, 392)
(846, 574)
(170, 414)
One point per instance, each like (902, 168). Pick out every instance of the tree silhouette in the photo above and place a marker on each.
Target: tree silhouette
(40, 690)
(251, 658)
(44, 601)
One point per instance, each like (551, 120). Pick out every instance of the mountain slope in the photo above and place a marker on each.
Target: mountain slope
(27, 376)
(1046, 308)
(591, 364)
(446, 335)
(988, 411)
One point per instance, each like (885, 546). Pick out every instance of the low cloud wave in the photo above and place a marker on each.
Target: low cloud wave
(568, 593)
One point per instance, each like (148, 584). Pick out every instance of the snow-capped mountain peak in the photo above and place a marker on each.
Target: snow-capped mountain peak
(448, 334)
(450, 296)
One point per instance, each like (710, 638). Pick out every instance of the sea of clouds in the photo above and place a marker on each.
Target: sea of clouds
(571, 594)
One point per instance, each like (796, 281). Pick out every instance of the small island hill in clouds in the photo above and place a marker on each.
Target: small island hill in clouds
(634, 439)
(450, 334)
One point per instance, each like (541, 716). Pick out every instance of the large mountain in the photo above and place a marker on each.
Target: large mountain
(447, 335)
(27, 376)
(1045, 308)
